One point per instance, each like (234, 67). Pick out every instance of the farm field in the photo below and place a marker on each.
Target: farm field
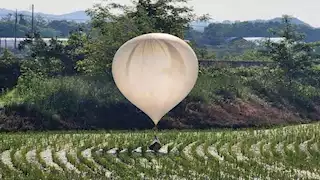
(290, 152)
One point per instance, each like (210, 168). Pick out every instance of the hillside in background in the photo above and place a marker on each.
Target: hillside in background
(218, 33)
(78, 16)
(210, 32)
(81, 16)
(200, 26)
(294, 20)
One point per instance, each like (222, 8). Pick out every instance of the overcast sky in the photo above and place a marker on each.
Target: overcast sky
(307, 10)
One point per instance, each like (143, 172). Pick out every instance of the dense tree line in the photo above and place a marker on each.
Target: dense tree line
(216, 33)
(48, 29)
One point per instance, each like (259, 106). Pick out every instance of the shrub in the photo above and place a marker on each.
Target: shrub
(9, 70)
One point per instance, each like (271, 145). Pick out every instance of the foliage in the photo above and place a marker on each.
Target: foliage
(65, 28)
(216, 33)
(41, 58)
(215, 84)
(95, 101)
(55, 28)
(202, 51)
(294, 57)
(247, 55)
(9, 70)
(144, 16)
(54, 58)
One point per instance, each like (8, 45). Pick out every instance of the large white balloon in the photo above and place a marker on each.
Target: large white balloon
(155, 72)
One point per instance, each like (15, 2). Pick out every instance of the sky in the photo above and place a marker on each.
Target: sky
(307, 10)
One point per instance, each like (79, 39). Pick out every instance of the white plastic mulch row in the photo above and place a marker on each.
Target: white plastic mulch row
(187, 151)
(62, 156)
(6, 159)
(212, 150)
(200, 151)
(236, 149)
(280, 167)
(46, 155)
(87, 155)
(304, 147)
(31, 158)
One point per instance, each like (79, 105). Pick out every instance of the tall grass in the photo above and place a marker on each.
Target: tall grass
(71, 95)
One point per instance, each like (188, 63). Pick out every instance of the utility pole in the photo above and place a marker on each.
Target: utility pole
(15, 29)
(32, 21)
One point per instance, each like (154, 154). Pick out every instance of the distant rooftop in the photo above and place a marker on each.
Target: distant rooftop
(230, 39)
(256, 40)
(259, 40)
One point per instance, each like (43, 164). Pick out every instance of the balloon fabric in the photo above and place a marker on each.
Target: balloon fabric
(155, 72)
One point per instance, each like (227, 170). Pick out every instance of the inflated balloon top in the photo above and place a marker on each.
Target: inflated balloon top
(155, 72)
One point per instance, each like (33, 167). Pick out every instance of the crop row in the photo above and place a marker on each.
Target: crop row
(281, 153)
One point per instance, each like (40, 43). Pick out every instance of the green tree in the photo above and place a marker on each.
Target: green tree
(42, 58)
(252, 55)
(64, 27)
(74, 49)
(201, 51)
(293, 56)
(22, 20)
(111, 30)
(9, 70)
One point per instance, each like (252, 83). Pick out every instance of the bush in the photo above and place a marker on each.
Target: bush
(84, 101)
(95, 101)
(9, 70)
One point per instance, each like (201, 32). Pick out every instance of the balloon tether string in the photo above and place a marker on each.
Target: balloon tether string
(155, 128)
